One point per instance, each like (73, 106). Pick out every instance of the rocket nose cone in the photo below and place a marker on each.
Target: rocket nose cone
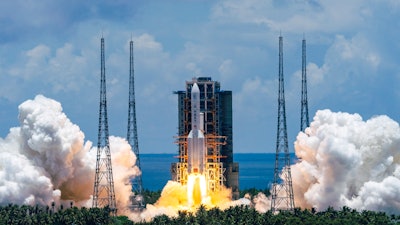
(195, 88)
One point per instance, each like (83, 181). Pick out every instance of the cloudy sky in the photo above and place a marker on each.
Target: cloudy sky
(53, 48)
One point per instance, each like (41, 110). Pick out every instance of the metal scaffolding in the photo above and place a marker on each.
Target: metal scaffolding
(304, 120)
(214, 167)
(137, 198)
(103, 194)
(282, 190)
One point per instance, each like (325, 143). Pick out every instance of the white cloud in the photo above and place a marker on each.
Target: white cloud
(356, 53)
(37, 58)
(67, 70)
(293, 15)
(191, 66)
(146, 42)
(226, 70)
(315, 74)
(234, 42)
(38, 55)
(253, 92)
(356, 49)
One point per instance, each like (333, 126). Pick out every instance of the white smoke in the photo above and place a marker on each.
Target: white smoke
(262, 203)
(346, 161)
(46, 159)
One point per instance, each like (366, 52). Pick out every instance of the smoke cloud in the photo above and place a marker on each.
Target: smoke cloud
(46, 159)
(345, 161)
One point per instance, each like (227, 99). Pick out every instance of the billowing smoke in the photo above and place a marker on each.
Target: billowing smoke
(345, 161)
(46, 159)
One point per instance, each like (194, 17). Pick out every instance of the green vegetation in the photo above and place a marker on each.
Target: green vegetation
(248, 215)
(13, 214)
(150, 197)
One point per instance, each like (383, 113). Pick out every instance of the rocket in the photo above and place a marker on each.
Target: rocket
(196, 152)
(196, 142)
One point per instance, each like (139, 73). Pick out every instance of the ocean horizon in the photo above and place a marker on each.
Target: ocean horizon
(256, 170)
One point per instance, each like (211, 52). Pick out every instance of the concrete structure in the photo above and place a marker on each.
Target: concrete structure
(216, 106)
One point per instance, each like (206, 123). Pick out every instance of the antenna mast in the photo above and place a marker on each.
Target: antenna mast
(137, 198)
(282, 190)
(103, 194)
(304, 121)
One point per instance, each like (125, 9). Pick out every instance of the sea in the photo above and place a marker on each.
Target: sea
(256, 170)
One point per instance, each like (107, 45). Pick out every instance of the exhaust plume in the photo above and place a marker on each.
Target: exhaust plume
(345, 161)
(45, 159)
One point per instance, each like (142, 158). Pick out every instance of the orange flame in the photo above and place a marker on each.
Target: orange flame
(196, 190)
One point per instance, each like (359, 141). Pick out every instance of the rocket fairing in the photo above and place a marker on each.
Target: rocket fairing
(196, 142)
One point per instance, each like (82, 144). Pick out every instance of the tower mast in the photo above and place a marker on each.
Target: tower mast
(137, 199)
(304, 120)
(103, 194)
(282, 190)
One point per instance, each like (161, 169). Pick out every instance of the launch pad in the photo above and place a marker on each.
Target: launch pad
(201, 174)
(205, 139)
(213, 171)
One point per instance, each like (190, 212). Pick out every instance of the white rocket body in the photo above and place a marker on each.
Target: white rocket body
(196, 142)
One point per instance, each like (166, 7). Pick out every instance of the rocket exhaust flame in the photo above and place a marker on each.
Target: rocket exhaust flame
(196, 190)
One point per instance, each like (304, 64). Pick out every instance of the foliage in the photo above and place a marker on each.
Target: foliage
(151, 196)
(248, 215)
(122, 220)
(14, 214)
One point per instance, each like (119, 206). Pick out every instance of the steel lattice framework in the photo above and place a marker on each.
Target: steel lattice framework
(137, 198)
(104, 194)
(282, 190)
(304, 120)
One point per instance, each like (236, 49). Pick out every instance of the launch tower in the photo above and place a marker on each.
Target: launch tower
(103, 194)
(137, 198)
(282, 190)
(216, 108)
(304, 120)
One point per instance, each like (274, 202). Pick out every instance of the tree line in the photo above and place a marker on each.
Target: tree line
(26, 215)
(14, 214)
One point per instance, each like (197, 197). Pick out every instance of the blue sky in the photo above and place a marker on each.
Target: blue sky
(53, 48)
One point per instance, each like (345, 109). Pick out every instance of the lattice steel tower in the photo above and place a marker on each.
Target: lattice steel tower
(103, 194)
(282, 190)
(304, 120)
(137, 199)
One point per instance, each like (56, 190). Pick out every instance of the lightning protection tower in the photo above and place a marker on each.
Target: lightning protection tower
(137, 199)
(104, 194)
(282, 190)
(304, 120)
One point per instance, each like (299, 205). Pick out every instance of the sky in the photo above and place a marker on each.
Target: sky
(52, 48)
